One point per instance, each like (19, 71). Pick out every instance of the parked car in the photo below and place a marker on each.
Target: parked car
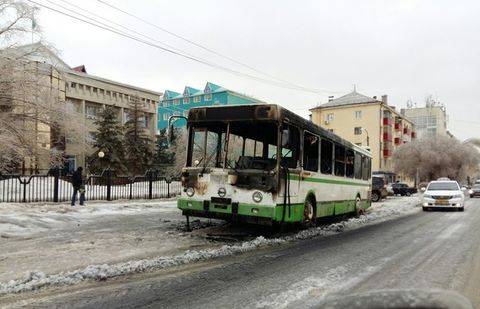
(475, 191)
(379, 188)
(400, 188)
(443, 194)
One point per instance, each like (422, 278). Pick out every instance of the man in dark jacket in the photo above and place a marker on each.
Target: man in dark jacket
(78, 186)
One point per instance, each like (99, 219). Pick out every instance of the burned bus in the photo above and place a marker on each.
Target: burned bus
(263, 164)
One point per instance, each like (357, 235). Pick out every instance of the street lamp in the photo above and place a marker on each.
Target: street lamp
(368, 138)
(101, 154)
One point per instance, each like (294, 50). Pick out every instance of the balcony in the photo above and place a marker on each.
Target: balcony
(397, 141)
(387, 121)
(387, 152)
(387, 137)
(398, 126)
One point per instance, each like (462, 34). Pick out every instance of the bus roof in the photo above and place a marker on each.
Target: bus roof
(264, 112)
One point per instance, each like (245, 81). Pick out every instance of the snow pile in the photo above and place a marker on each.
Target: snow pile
(36, 280)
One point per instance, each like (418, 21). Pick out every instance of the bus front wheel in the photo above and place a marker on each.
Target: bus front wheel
(309, 213)
(358, 207)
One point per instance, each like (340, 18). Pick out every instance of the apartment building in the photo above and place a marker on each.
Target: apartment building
(430, 120)
(368, 122)
(88, 94)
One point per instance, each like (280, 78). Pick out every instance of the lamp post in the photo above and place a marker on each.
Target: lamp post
(368, 138)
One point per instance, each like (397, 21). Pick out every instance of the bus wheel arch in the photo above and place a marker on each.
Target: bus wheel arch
(310, 210)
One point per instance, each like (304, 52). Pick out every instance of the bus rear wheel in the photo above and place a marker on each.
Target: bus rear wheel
(308, 213)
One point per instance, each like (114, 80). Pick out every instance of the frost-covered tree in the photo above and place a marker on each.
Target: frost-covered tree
(178, 149)
(435, 157)
(138, 145)
(109, 140)
(163, 158)
(34, 119)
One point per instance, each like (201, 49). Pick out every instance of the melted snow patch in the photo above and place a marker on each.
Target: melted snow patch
(35, 280)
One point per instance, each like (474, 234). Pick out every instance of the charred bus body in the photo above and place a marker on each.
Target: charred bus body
(264, 164)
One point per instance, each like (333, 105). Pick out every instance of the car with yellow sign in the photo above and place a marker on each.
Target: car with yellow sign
(443, 194)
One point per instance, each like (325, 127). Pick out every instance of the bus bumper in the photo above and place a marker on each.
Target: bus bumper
(240, 212)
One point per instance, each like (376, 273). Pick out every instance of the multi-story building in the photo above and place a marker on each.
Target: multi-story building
(174, 103)
(367, 122)
(430, 120)
(88, 94)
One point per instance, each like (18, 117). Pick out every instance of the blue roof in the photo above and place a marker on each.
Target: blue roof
(190, 91)
(168, 94)
(211, 87)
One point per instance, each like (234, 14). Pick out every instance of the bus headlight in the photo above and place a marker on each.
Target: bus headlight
(257, 196)
(222, 192)
(190, 191)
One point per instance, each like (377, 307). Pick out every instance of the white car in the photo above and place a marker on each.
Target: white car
(443, 194)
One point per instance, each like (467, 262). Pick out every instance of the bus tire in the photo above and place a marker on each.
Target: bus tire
(359, 210)
(309, 211)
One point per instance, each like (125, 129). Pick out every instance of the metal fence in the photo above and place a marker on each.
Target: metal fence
(55, 187)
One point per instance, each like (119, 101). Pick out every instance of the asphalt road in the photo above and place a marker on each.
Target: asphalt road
(427, 250)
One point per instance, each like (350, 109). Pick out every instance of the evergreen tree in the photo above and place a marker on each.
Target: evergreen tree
(138, 145)
(109, 140)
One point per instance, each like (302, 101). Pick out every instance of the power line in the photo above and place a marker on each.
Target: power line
(217, 66)
(211, 50)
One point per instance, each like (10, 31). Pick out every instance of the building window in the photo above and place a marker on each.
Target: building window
(95, 90)
(92, 137)
(73, 85)
(165, 103)
(185, 113)
(357, 130)
(207, 97)
(166, 116)
(87, 88)
(186, 100)
(176, 102)
(91, 112)
(108, 93)
(358, 114)
(329, 117)
(143, 121)
(330, 130)
(196, 99)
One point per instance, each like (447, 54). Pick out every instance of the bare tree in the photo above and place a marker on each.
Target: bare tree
(34, 119)
(435, 157)
(179, 149)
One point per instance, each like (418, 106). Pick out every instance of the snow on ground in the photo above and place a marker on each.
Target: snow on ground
(23, 219)
(391, 208)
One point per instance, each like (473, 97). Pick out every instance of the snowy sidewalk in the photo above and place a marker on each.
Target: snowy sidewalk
(56, 245)
(52, 238)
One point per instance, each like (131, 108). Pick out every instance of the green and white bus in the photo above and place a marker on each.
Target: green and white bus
(264, 164)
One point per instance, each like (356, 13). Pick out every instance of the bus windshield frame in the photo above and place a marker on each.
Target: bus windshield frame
(237, 145)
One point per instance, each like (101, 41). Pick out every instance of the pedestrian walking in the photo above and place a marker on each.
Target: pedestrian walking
(78, 186)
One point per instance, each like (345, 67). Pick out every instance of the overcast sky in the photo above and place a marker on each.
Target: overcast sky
(407, 49)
